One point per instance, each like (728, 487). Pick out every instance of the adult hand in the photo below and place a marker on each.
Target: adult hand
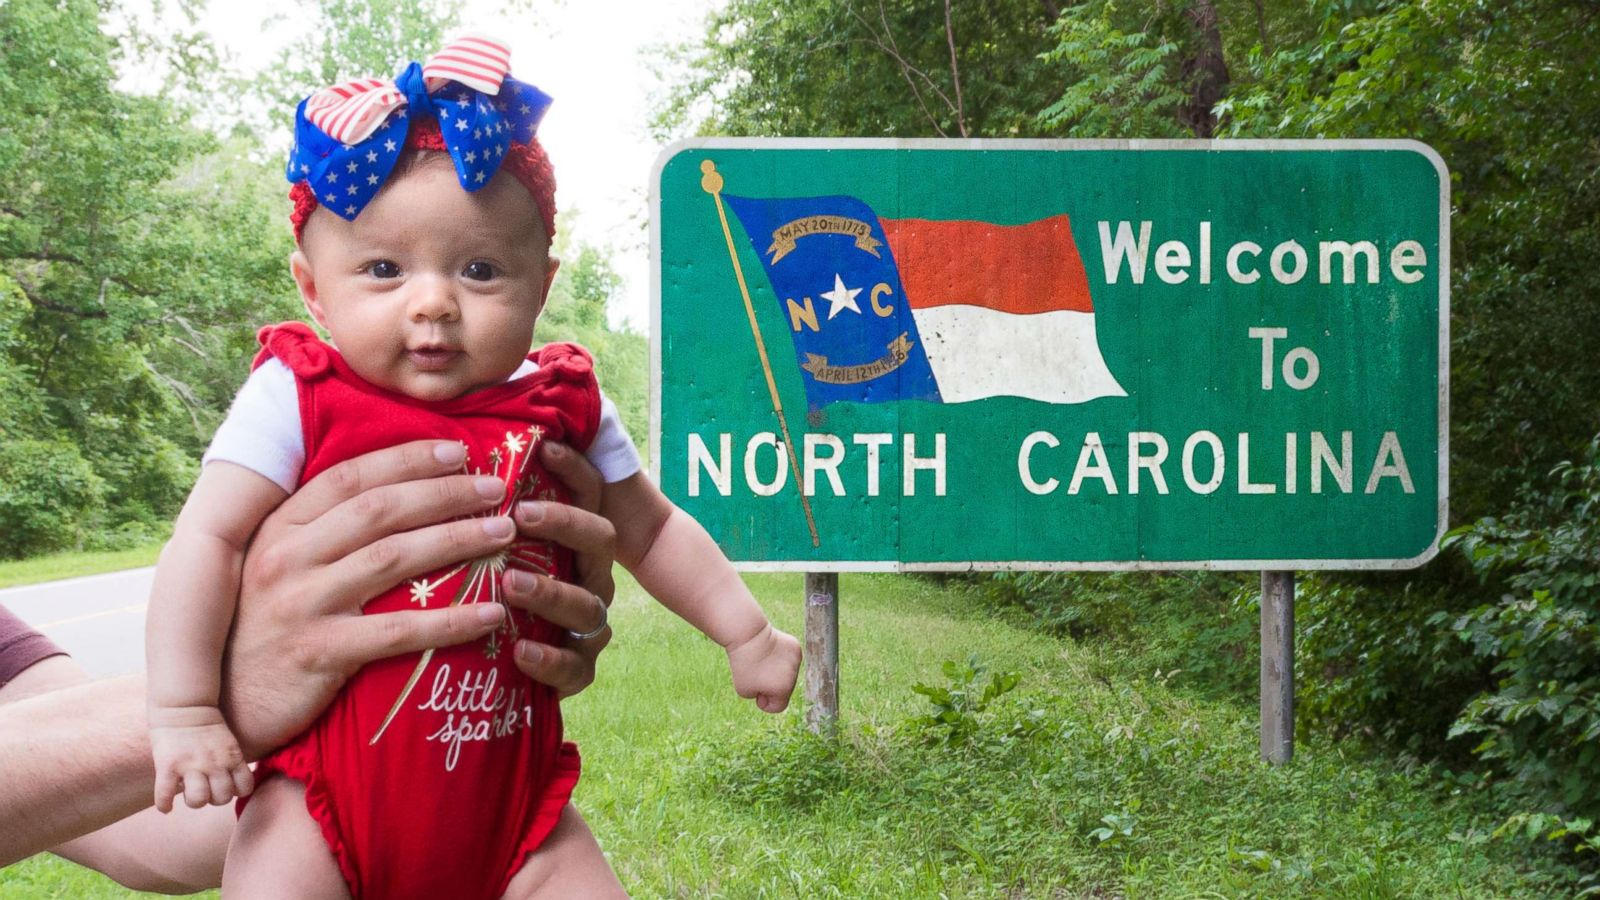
(581, 606)
(338, 541)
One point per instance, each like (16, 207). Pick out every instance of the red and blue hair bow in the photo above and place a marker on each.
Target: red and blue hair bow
(347, 137)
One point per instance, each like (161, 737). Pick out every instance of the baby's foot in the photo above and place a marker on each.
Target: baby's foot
(196, 755)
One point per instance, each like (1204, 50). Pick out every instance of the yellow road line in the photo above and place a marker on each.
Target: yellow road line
(138, 607)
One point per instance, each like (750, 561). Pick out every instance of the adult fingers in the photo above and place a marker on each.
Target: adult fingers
(362, 639)
(387, 509)
(390, 560)
(577, 473)
(406, 462)
(564, 605)
(566, 669)
(576, 529)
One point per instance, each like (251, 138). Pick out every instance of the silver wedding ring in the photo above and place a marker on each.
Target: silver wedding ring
(584, 636)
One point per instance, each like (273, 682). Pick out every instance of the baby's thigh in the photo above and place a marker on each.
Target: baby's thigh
(568, 864)
(278, 850)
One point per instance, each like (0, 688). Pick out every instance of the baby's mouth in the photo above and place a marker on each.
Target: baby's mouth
(431, 359)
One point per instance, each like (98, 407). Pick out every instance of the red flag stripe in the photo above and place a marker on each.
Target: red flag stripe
(1018, 269)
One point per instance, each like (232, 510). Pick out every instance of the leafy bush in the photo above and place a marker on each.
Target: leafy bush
(1371, 659)
(48, 496)
(1540, 722)
(1201, 625)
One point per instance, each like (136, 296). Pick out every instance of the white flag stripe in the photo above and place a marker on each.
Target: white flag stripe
(977, 352)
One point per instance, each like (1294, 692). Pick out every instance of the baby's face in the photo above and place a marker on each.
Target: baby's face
(431, 291)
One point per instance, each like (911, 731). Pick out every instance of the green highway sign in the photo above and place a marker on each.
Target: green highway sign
(943, 355)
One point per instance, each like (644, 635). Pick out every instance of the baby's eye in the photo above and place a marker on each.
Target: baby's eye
(479, 271)
(383, 268)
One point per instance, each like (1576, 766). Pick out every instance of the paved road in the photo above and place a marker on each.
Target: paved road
(99, 619)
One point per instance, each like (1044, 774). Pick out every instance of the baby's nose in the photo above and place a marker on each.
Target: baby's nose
(433, 299)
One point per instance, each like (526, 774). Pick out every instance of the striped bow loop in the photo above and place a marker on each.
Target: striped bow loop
(347, 137)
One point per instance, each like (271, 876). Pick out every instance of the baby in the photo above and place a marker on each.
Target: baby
(423, 215)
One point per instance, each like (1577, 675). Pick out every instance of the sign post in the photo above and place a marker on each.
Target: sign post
(822, 652)
(892, 355)
(1277, 667)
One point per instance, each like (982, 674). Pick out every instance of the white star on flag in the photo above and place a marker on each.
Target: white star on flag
(350, 210)
(388, 146)
(372, 179)
(351, 167)
(331, 197)
(472, 157)
(461, 124)
(479, 178)
(841, 298)
(372, 156)
(351, 190)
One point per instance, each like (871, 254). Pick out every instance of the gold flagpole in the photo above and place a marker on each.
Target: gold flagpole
(711, 183)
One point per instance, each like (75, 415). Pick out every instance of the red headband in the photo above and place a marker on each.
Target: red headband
(526, 162)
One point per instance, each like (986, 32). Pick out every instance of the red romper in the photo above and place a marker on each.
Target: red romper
(435, 775)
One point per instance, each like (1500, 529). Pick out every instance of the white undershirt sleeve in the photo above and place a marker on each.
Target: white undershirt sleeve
(612, 452)
(262, 430)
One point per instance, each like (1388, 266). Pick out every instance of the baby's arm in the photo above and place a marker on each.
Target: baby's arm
(191, 609)
(680, 565)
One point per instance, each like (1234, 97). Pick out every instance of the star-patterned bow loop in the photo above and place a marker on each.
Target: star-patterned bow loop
(347, 137)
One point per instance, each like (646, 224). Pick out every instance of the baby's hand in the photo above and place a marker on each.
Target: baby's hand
(196, 754)
(765, 667)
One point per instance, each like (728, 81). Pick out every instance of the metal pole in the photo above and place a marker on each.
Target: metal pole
(822, 652)
(1277, 667)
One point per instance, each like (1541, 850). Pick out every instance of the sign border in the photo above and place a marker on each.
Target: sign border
(1008, 144)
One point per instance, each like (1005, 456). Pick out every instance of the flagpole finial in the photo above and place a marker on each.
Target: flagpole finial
(711, 179)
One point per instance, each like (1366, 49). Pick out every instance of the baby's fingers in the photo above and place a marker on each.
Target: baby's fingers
(221, 783)
(244, 781)
(772, 703)
(196, 789)
(166, 789)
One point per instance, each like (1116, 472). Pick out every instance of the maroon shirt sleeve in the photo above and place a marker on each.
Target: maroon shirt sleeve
(21, 646)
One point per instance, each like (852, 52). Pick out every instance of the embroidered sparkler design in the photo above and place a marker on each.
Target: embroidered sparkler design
(509, 462)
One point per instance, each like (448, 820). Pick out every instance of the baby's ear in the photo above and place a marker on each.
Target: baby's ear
(550, 266)
(306, 281)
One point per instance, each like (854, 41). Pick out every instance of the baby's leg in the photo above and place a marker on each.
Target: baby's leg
(568, 864)
(278, 851)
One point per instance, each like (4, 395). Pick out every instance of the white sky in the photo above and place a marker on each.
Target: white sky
(590, 56)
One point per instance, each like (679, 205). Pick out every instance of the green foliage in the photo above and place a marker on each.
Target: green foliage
(1372, 660)
(1540, 721)
(1198, 629)
(49, 496)
(824, 67)
(962, 709)
(1580, 834)
(136, 254)
(1117, 83)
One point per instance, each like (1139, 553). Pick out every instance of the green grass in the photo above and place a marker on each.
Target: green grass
(695, 793)
(72, 565)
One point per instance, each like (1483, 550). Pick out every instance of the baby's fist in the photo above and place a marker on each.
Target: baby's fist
(196, 758)
(765, 668)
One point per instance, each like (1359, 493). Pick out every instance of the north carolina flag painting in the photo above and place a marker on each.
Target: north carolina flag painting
(943, 311)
